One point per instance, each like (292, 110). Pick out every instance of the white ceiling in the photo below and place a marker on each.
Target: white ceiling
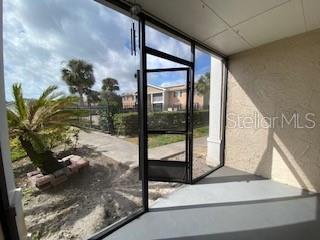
(231, 26)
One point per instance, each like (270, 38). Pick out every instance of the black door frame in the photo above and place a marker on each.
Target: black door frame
(167, 164)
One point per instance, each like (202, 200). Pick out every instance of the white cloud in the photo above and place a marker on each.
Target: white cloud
(173, 83)
(41, 36)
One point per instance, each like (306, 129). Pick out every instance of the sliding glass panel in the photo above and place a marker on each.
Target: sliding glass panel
(167, 43)
(75, 154)
(204, 101)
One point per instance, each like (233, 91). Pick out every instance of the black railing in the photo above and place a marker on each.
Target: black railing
(101, 117)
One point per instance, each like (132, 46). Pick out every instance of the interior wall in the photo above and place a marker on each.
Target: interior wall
(281, 79)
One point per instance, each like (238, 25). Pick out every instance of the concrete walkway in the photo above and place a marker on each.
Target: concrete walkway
(172, 149)
(125, 152)
(111, 146)
(228, 205)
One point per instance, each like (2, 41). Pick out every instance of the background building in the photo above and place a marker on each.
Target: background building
(173, 98)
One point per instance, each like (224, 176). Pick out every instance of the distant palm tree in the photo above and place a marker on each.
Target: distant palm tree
(110, 85)
(33, 121)
(112, 101)
(203, 84)
(78, 74)
(92, 96)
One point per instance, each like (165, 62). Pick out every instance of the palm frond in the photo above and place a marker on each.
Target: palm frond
(20, 103)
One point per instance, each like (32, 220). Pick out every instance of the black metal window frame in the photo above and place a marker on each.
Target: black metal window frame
(124, 8)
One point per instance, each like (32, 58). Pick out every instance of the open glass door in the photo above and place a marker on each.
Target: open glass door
(183, 134)
(167, 74)
(168, 125)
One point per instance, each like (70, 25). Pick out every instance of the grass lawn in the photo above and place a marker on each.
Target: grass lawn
(163, 139)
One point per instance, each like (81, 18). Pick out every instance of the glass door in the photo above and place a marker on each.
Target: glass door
(168, 125)
(166, 81)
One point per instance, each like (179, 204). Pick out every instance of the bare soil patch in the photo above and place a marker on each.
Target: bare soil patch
(200, 165)
(89, 201)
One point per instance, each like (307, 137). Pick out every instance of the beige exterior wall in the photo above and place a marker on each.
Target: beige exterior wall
(199, 100)
(128, 101)
(174, 100)
(281, 77)
(151, 89)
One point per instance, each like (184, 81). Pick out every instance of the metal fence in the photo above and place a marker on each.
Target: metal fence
(101, 117)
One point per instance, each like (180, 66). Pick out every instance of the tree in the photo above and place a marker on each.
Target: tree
(111, 100)
(78, 74)
(203, 88)
(34, 121)
(203, 84)
(92, 96)
(110, 85)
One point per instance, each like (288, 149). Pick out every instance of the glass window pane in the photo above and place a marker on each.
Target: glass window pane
(78, 170)
(165, 42)
(201, 124)
(167, 100)
(156, 62)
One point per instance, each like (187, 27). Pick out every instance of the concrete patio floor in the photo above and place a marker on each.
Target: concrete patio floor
(229, 204)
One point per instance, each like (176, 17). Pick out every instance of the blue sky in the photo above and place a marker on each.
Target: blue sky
(41, 36)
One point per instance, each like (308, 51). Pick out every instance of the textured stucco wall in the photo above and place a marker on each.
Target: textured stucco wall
(281, 77)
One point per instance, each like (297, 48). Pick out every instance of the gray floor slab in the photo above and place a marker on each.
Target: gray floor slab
(229, 204)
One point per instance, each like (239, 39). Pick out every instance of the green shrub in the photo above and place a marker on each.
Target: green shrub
(16, 149)
(126, 124)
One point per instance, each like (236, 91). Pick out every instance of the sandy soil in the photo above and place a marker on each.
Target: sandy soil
(200, 166)
(88, 202)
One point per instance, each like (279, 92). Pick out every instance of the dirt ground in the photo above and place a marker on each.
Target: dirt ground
(87, 202)
(200, 166)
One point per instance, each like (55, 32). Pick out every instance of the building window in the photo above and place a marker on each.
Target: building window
(157, 97)
(157, 107)
(178, 93)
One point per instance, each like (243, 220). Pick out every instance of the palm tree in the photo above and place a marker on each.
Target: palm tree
(110, 85)
(111, 100)
(78, 74)
(34, 121)
(92, 96)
